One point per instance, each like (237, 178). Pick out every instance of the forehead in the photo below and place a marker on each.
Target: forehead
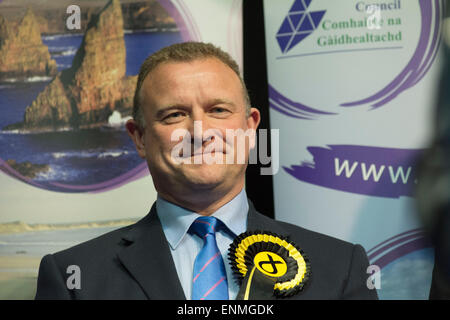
(206, 73)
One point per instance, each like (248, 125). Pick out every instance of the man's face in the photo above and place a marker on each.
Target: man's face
(185, 96)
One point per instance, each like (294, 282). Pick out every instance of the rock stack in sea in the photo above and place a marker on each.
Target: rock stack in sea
(86, 94)
(22, 53)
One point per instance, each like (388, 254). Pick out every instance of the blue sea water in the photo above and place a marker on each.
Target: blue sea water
(138, 45)
(77, 157)
(63, 48)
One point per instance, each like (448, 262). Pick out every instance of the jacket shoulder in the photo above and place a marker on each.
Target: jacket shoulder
(93, 249)
(302, 235)
(315, 237)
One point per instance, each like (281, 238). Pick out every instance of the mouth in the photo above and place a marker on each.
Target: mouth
(208, 157)
(204, 153)
(209, 154)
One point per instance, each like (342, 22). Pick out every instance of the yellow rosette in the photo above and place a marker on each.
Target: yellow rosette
(268, 265)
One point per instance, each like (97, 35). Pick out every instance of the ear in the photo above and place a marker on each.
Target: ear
(137, 135)
(252, 123)
(253, 119)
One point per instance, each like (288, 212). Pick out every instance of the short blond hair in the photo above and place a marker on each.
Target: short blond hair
(183, 52)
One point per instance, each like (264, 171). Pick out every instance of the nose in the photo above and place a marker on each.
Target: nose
(201, 131)
(195, 127)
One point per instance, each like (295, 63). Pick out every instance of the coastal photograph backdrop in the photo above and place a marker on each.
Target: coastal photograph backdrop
(65, 98)
(69, 171)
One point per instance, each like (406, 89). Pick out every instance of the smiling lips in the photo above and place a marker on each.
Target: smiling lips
(218, 147)
(203, 153)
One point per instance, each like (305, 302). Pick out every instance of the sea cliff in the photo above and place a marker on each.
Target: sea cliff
(22, 53)
(52, 15)
(86, 94)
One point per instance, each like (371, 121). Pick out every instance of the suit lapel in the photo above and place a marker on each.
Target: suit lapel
(257, 221)
(147, 257)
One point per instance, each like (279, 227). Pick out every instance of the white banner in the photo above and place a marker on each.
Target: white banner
(352, 89)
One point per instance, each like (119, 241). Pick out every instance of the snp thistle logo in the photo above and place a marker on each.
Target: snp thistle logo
(298, 24)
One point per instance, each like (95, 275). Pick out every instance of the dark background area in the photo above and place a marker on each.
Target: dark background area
(259, 187)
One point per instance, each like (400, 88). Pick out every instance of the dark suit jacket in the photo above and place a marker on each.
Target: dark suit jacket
(135, 262)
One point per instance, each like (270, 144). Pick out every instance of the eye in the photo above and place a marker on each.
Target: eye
(174, 117)
(219, 111)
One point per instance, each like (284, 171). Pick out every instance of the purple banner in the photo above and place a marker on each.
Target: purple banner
(375, 171)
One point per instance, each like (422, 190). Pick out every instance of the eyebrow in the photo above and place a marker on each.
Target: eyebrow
(160, 113)
(220, 101)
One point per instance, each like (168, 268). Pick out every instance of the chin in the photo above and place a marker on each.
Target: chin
(206, 175)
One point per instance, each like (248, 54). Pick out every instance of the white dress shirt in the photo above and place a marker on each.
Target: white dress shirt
(184, 246)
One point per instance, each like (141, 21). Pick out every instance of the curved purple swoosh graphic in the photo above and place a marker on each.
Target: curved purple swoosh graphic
(398, 246)
(134, 174)
(129, 176)
(436, 38)
(6, 168)
(416, 68)
(290, 108)
(183, 18)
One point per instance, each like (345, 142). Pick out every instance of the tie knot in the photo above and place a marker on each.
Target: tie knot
(205, 225)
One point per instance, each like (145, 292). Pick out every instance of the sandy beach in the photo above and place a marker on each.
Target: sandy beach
(22, 247)
(19, 226)
(18, 276)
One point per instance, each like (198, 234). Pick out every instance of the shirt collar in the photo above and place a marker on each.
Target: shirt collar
(176, 220)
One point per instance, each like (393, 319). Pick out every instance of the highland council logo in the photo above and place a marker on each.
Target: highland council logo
(298, 24)
(361, 53)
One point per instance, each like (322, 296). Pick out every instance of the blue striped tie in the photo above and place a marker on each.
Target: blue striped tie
(209, 278)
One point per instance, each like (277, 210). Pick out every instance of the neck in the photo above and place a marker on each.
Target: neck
(203, 202)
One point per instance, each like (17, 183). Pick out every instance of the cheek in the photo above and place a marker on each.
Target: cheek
(163, 140)
(234, 124)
